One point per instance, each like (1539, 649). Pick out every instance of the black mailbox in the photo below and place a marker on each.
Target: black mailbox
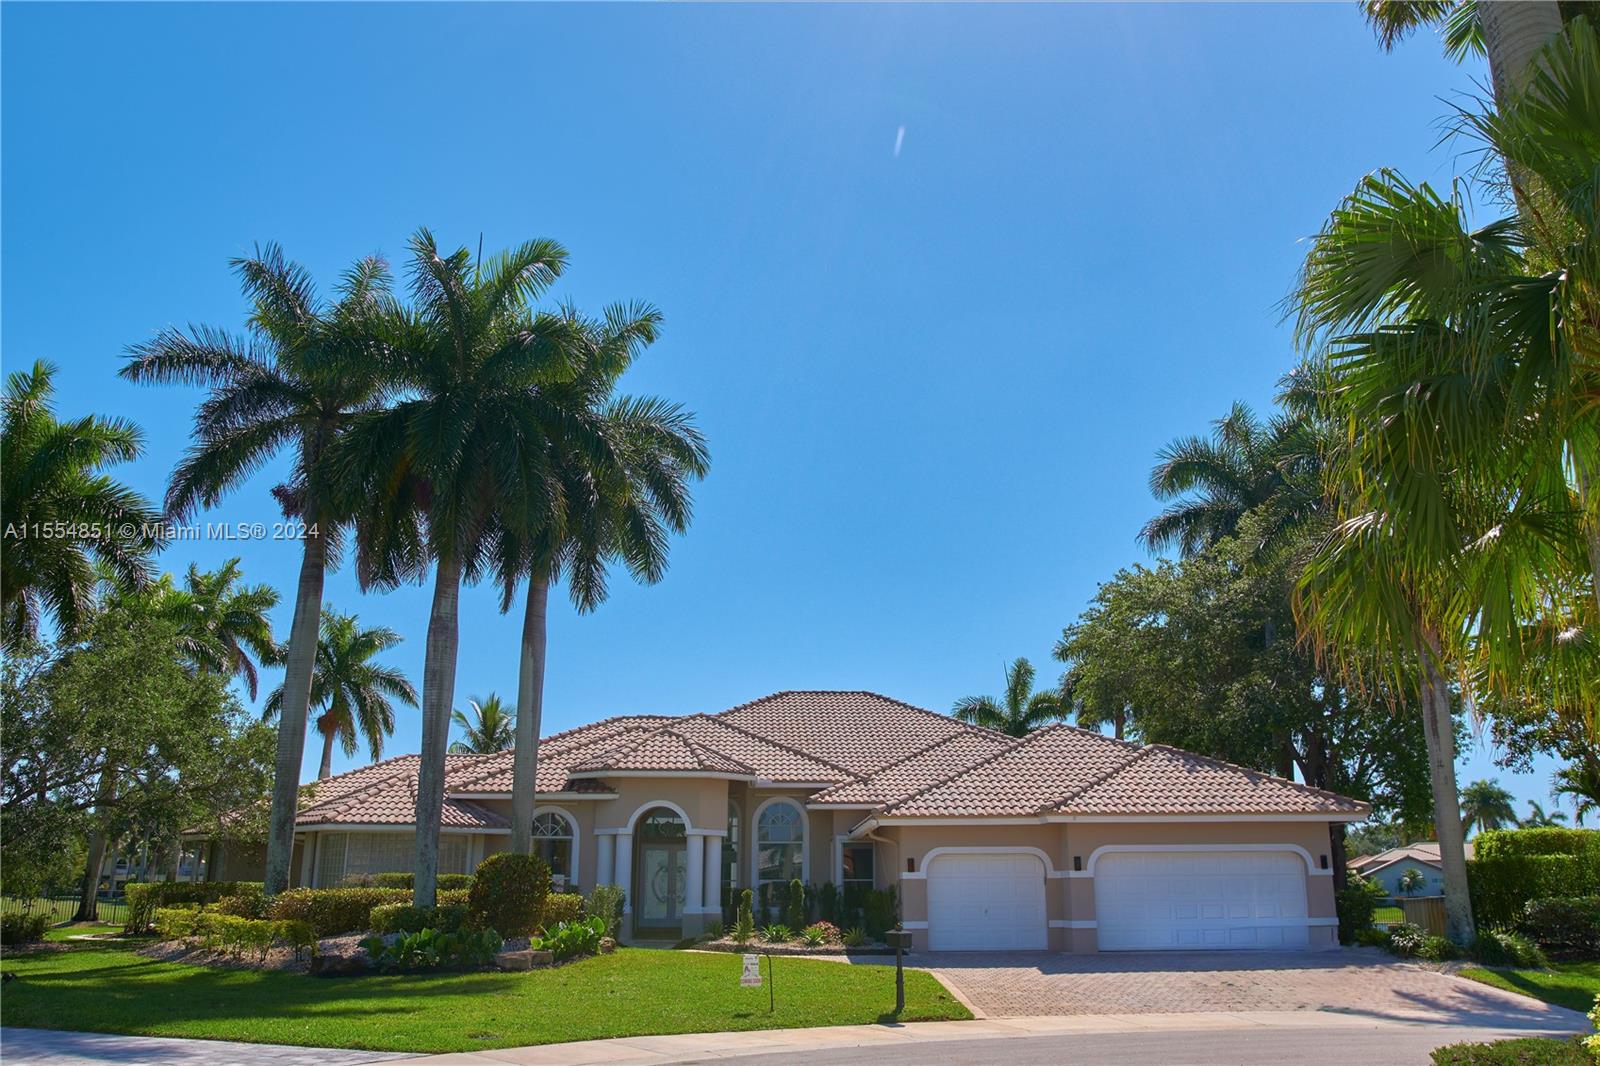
(899, 939)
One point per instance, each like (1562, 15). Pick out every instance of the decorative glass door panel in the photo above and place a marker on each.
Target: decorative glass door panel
(663, 880)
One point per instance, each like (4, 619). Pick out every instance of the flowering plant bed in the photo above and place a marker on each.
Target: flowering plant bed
(760, 947)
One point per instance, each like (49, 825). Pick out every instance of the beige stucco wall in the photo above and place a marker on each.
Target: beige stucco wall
(1070, 892)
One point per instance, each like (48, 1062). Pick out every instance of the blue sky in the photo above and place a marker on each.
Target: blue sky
(939, 281)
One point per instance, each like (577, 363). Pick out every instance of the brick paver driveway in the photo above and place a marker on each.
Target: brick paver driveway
(1348, 981)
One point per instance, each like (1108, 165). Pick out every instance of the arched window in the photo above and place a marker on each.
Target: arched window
(780, 846)
(552, 842)
(730, 850)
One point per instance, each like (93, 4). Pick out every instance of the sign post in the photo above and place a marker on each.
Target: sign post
(899, 939)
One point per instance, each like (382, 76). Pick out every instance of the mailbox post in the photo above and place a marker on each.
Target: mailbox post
(900, 940)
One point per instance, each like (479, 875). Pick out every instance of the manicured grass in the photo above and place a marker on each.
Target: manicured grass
(1566, 984)
(109, 988)
(1388, 915)
(67, 932)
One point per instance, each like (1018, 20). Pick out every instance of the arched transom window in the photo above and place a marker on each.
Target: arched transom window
(780, 845)
(552, 841)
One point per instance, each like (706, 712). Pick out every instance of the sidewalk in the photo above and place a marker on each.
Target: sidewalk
(693, 1047)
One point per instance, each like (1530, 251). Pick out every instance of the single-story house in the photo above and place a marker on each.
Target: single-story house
(1387, 867)
(1063, 840)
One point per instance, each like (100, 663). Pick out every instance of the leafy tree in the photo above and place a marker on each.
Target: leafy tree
(1020, 711)
(115, 735)
(64, 516)
(1373, 837)
(492, 727)
(436, 467)
(1485, 805)
(355, 694)
(305, 370)
(619, 469)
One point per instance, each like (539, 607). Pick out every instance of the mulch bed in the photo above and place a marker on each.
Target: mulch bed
(761, 947)
(278, 958)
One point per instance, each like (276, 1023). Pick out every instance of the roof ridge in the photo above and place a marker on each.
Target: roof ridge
(1183, 753)
(1100, 779)
(986, 760)
(669, 729)
(857, 692)
(775, 742)
(897, 763)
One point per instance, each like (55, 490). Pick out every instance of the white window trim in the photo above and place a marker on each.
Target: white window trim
(842, 841)
(572, 824)
(643, 809)
(755, 841)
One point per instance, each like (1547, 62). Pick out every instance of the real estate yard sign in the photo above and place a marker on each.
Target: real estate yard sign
(751, 978)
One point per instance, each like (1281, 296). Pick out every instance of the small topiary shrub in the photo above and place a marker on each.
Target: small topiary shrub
(794, 912)
(561, 907)
(23, 928)
(880, 911)
(508, 894)
(605, 902)
(1566, 927)
(1500, 947)
(744, 927)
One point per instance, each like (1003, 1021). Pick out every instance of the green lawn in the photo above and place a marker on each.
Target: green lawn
(109, 988)
(1388, 915)
(67, 932)
(1567, 984)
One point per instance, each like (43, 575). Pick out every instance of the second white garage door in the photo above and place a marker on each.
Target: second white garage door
(992, 902)
(1200, 900)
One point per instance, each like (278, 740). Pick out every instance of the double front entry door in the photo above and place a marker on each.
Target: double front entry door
(663, 880)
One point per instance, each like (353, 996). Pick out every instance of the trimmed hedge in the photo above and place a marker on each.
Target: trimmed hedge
(406, 918)
(1565, 927)
(508, 893)
(143, 899)
(1554, 840)
(235, 935)
(331, 911)
(401, 879)
(561, 907)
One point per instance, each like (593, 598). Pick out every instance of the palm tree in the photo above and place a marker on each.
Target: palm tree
(435, 468)
(356, 695)
(620, 468)
(1020, 711)
(52, 482)
(1509, 32)
(491, 728)
(1538, 819)
(1246, 465)
(1411, 880)
(303, 373)
(224, 624)
(1485, 805)
(1581, 782)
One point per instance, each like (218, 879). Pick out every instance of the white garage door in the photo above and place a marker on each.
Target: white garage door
(987, 902)
(1200, 900)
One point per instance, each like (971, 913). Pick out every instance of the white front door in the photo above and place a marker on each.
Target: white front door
(994, 902)
(1200, 900)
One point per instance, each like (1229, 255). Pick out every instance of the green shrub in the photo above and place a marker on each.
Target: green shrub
(508, 893)
(561, 907)
(777, 933)
(402, 879)
(744, 925)
(1512, 866)
(144, 899)
(1373, 938)
(855, 937)
(247, 904)
(1405, 939)
(1567, 927)
(819, 933)
(331, 911)
(1437, 949)
(176, 923)
(880, 910)
(605, 902)
(828, 902)
(1500, 947)
(298, 935)
(1522, 1051)
(569, 939)
(23, 928)
(408, 918)
(430, 949)
(1553, 840)
(1355, 904)
(795, 910)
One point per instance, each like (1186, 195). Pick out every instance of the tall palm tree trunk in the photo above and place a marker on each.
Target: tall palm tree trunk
(301, 661)
(1513, 33)
(328, 732)
(89, 896)
(1439, 728)
(438, 694)
(530, 709)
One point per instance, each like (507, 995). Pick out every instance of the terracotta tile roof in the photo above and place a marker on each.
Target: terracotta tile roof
(1165, 780)
(860, 732)
(664, 749)
(1423, 851)
(771, 759)
(936, 762)
(388, 796)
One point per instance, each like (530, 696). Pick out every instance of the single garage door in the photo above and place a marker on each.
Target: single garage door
(987, 902)
(1200, 900)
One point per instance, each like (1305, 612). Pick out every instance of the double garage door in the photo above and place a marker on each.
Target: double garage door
(1144, 901)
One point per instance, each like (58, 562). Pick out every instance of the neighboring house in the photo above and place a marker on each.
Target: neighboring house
(1387, 867)
(1062, 840)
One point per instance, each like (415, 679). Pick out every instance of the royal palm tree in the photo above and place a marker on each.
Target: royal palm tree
(491, 728)
(1020, 711)
(224, 624)
(1509, 32)
(1538, 818)
(1486, 805)
(620, 469)
(63, 515)
(304, 371)
(435, 468)
(355, 694)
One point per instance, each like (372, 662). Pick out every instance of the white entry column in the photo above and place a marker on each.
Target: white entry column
(694, 867)
(625, 869)
(713, 877)
(605, 857)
